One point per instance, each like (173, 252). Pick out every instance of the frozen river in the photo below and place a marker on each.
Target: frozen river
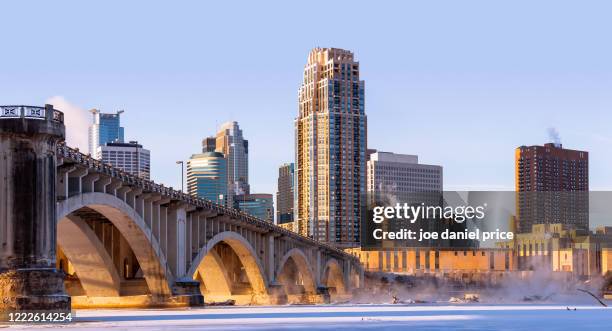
(348, 317)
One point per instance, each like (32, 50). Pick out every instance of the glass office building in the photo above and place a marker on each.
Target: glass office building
(106, 128)
(260, 205)
(207, 177)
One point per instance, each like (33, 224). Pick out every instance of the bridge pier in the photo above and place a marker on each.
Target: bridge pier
(188, 292)
(29, 279)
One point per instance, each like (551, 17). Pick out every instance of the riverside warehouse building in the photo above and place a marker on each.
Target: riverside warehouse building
(556, 248)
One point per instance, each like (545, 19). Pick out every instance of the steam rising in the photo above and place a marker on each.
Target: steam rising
(77, 122)
(537, 285)
(554, 137)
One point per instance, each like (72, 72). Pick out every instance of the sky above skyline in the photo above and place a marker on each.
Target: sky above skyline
(460, 84)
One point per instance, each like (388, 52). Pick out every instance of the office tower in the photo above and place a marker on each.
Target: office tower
(129, 157)
(105, 128)
(260, 205)
(400, 178)
(330, 133)
(232, 144)
(284, 195)
(401, 175)
(552, 185)
(207, 177)
(209, 144)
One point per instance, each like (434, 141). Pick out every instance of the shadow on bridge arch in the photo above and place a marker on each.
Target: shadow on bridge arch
(229, 268)
(333, 278)
(296, 275)
(81, 253)
(88, 224)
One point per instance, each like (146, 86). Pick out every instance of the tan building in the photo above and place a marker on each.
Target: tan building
(288, 226)
(561, 248)
(414, 261)
(549, 247)
(331, 148)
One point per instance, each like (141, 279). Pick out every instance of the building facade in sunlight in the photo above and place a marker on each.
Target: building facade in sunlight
(552, 185)
(330, 138)
(235, 148)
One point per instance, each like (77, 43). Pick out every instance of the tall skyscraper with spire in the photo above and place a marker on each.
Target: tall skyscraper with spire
(235, 148)
(330, 132)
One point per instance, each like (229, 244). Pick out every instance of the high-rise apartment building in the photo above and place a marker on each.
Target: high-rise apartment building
(231, 143)
(284, 195)
(106, 128)
(129, 157)
(552, 185)
(330, 132)
(207, 177)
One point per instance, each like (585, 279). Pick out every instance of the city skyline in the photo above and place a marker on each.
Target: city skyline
(327, 165)
(437, 76)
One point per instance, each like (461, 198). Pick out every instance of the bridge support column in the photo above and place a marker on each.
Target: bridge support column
(187, 291)
(28, 142)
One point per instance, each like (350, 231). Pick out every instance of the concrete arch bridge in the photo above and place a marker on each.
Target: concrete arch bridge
(125, 241)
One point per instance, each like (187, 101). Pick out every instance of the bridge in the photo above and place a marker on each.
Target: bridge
(75, 231)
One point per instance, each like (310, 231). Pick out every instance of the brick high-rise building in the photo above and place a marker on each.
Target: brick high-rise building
(552, 185)
(331, 148)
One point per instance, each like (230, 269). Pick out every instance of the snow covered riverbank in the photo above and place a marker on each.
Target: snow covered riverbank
(348, 317)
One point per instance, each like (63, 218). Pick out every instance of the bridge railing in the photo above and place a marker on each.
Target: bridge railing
(66, 152)
(31, 112)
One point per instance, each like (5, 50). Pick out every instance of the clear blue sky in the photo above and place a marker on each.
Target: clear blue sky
(460, 83)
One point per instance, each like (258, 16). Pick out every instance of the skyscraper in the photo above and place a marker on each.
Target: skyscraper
(209, 144)
(129, 157)
(330, 132)
(284, 195)
(106, 128)
(207, 177)
(552, 185)
(232, 144)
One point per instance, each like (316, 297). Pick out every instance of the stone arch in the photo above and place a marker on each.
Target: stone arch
(212, 275)
(333, 277)
(301, 262)
(94, 267)
(246, 254)
(133, 228)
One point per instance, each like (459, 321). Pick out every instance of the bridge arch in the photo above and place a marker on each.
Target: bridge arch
(211, 270)
(78, 242)
(133, 228)
(298, 261)
(333, 277)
